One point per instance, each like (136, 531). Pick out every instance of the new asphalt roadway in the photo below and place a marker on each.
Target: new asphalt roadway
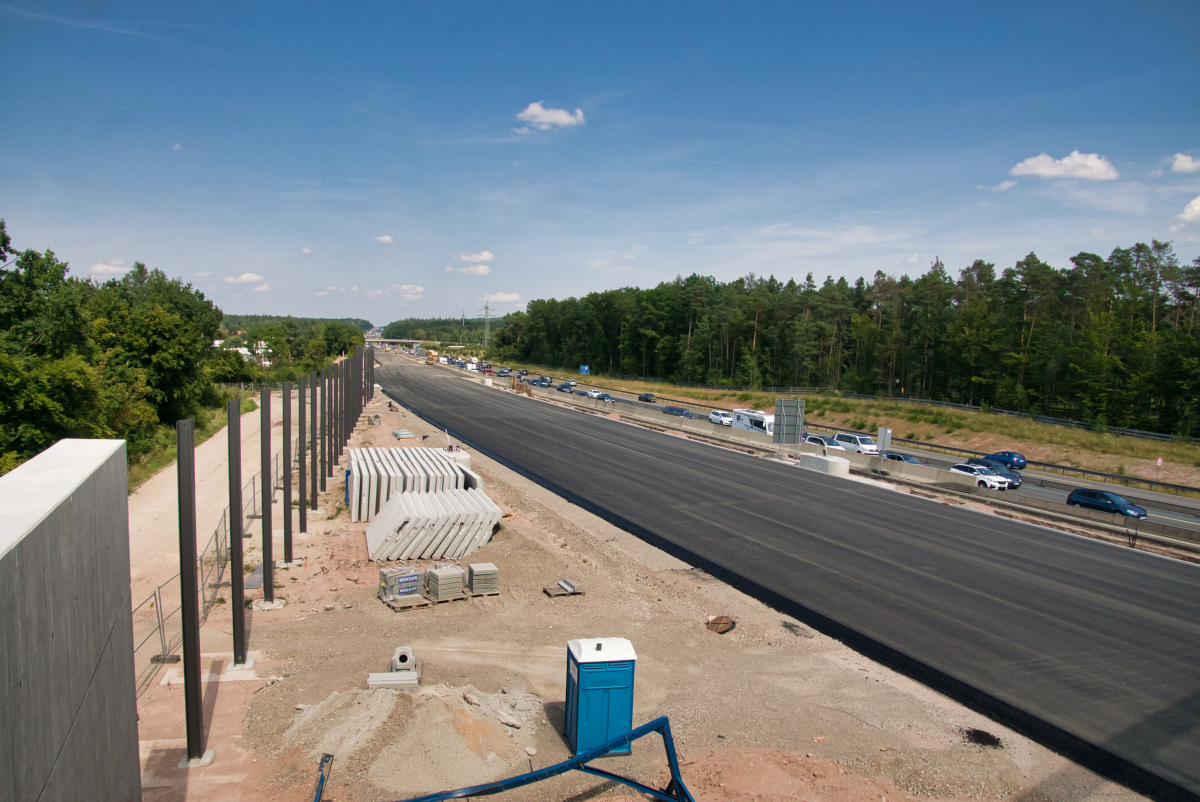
(1090, 648)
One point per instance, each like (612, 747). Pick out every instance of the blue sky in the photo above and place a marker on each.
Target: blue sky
(412, 159)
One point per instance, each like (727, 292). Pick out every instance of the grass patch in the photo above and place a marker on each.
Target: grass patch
(208, 423)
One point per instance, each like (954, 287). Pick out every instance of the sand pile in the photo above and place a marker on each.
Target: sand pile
(457, 737)
(342, 723)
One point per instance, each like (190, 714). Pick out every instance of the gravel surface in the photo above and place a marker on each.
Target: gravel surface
(769, 710)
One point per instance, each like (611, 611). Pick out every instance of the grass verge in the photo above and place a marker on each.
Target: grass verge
(208, 423)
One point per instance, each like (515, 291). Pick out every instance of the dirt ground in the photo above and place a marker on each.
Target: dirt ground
(768, 711)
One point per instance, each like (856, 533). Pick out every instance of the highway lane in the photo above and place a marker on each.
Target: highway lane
(1100, 642)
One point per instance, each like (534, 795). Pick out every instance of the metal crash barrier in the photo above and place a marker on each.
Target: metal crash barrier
(675, 791)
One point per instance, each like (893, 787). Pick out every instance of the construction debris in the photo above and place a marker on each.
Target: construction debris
(720, 624)
(564, 587)
(403, 434)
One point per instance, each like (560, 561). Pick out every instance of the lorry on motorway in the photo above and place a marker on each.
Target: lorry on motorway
(751, 420)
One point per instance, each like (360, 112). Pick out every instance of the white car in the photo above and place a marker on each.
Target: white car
(857, 442)
(721, 417)
(594, 393)
(826, 442)
(985, 476)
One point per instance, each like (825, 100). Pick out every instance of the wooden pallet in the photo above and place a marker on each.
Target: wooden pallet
(556, 590)
(416, 601)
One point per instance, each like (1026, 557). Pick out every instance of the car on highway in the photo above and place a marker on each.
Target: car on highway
(721, 417)
(607, 397)
(594, 393)
(1014, 478)
(581, 392)
(1011, 459)
(857, 442)
(824, 442)
(898, 457)
(565, 387)
(1104, 501)
(984, 477)
(503, 371)
(523, 372)
(647, 398)
(679, 412)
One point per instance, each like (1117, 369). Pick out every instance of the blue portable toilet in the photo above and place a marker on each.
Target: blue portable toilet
(599, 692)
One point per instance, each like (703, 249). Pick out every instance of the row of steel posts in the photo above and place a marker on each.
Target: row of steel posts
(330, 403)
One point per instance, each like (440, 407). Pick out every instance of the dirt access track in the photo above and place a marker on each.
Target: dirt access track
(770, 710)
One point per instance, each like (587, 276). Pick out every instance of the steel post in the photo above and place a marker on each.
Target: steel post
(285, 470)
(314, 450)
(301, 460)
(185, 476)
(268, 495)
(237, 578)
(324, 427)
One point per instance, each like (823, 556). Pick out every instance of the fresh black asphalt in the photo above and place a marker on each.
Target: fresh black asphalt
(1092, 649)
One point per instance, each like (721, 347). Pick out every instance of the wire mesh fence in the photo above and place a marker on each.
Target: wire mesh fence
(157, 624)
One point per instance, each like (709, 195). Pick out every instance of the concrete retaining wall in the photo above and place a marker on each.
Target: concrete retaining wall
(68, 711)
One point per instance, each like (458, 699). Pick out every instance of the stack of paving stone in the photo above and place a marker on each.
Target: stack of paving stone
(442, 584)
(397, 582)
(484, 577)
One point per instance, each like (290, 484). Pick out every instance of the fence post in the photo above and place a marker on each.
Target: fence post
(301, 446)
(186, 493)
(237, 577)
(312, 419)
(324, 427)
(285, 469)
(267, 493)
(162, 624)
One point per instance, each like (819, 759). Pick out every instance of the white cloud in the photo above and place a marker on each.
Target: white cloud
(1154, 173)
(261, 288)
(543, 119)
(1099, 232)
(306, 249)
(407, 292)
(1004, 186)
(1185, 164)
(331, 291)
(912, 260)
(1091, 166)
(245, 278)
(628, 257)
(114, 267)
(503, 297)
(471, 270)
(1191, 212)
(354, 288)
(374, 293)
(386, 239)
(476, 258)
(205, 274)
(177, 146)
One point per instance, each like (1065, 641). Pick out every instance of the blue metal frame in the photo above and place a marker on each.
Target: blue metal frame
(324, 768)
(675, 791)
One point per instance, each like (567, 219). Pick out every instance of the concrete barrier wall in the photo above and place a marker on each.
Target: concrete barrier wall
(68, 711)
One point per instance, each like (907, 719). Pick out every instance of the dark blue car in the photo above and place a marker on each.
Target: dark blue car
(1009, 459)
(1104, 501)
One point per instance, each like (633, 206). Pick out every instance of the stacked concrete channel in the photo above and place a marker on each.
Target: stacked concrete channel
(422, 503)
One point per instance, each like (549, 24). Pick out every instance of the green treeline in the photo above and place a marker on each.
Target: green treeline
(235, 323)
(282, 348)
(122, 359)
(463, 331)
(1115, 341)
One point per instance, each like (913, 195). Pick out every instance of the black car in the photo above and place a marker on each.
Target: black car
(565, 387)
(1104, 501)
(647, 397)
(1014, 478)
(523, 372)
(678, 412)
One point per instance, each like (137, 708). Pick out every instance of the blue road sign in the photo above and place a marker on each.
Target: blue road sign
(583, 370)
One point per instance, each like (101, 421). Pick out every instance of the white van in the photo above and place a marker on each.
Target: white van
(752, 420)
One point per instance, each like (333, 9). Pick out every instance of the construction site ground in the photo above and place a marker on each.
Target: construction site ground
(770, 710)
